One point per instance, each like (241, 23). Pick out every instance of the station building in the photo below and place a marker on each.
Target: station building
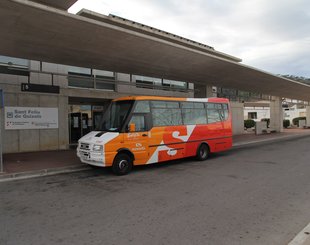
(50, 105)
(84, 93)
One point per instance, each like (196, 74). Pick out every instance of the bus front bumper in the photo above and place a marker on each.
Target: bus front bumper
(92, 158)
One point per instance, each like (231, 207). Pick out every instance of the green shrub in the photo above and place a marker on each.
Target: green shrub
(296, 120)
(286, 123)
(266, 120)
(249, 123)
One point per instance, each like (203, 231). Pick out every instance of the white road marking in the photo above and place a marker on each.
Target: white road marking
(302, 238)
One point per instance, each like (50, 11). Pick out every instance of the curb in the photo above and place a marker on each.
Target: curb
(270, 140)
(41, 172)
(302, 238)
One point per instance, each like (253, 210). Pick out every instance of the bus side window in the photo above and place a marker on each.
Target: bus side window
(222, 115)
(167, 117)
(142, 107)
(225, 111)
(226, 114)
(213, 116)
(142, 121)
(139, 121)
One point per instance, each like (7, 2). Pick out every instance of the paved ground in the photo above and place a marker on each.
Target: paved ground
(259, 194)
(22, 165)
(34, 161)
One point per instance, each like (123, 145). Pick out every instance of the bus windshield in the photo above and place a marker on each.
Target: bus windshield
(114, 117)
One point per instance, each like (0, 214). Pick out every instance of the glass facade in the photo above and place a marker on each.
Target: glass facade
(14, 66)
(82, 77)
(15, 62)
(239, 95)
(174, 84)
(90, 78)
(158, 83)
(104, 79)
(148, 82)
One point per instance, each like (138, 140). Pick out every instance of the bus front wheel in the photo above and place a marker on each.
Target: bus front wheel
(203, 152)
(122, 164)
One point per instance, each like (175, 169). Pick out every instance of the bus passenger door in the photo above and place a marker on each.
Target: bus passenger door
(137, 140)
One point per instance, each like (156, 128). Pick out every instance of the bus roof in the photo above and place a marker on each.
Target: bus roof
(212, 99)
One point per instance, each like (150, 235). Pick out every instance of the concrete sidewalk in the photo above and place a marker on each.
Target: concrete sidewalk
(250, 137)
(33, 164)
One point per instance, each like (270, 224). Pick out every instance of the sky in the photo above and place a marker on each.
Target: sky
(271, 35)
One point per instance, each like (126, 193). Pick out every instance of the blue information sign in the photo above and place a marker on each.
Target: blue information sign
(1, 98)
(1, 139)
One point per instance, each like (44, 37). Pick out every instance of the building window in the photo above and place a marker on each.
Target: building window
(15, 62)
(191, 86)
(174, 84)
(91, 78)
(158, 83)
(80, 77)
(252, 115)
(103, 74)
(148, 82)
(243, 94)
(14, 66)
(104, 79)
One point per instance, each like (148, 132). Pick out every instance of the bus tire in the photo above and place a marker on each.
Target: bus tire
(203, 152)
(122, 164)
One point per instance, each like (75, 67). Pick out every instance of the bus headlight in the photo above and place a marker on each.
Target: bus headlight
(97, 148)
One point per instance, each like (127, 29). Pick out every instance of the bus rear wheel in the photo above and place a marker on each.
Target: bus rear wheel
(203, 152)
(122, 164)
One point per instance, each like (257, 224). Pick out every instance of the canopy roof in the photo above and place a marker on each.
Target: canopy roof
(60, 4)
(34, 31)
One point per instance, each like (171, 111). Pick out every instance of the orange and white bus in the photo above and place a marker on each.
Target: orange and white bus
(146, 129)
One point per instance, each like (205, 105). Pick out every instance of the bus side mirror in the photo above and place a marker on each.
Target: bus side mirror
(132, 127)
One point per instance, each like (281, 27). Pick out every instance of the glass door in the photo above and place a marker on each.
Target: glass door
(82, 120)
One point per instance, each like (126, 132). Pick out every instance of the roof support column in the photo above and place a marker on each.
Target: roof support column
(203, 91)
(237, 117)
(308, 115)
(276, 114)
